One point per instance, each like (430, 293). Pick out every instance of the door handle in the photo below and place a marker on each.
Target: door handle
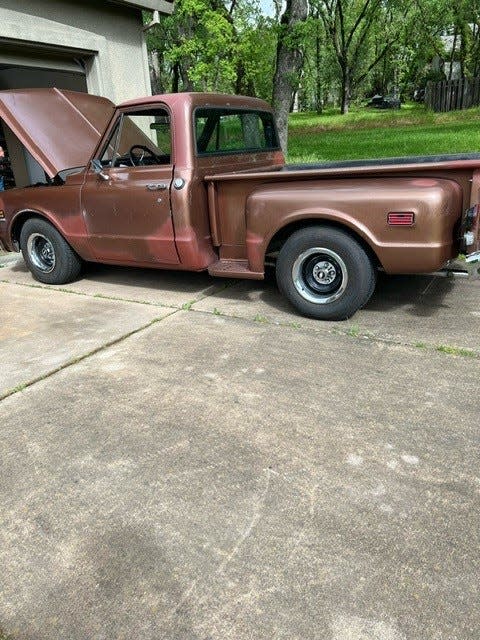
(158, 186)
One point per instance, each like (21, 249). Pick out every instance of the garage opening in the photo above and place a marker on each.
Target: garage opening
(29, 68)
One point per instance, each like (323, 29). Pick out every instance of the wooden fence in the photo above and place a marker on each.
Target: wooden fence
(450, 95)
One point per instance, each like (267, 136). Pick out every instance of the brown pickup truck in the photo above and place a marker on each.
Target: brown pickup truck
(199, 182)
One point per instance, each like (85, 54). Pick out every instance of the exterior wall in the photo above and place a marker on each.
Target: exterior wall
(107, 36)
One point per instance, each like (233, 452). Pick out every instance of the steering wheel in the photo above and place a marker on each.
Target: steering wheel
(137, 160)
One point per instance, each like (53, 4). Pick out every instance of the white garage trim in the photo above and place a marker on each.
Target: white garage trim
(55, 63)
(152, 5)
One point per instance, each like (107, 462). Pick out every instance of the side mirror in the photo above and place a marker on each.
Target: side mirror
(97, 167)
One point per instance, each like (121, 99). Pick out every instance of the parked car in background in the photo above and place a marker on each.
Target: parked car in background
(384, 102)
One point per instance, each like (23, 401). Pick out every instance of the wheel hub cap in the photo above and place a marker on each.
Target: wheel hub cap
(47, 253)
(324, 272)
(41, 252)
(320, 275)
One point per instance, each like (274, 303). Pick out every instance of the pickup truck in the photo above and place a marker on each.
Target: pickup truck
(198, 182)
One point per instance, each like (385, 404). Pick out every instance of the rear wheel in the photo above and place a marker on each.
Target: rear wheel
(49, 257)
(325, 273)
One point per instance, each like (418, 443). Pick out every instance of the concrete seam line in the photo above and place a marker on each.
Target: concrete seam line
(98, 296)
(205, 293)
(213, 289)
(437, 348)
(72, 361)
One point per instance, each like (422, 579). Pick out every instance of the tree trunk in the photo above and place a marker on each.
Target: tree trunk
(176, 78)
(452, 55)
(318, 66)
(288, 66)
(154, 66)
(243, 87)
(186, 82)
(345, 91)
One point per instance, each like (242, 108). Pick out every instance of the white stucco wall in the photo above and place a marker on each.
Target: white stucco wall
(108, 36)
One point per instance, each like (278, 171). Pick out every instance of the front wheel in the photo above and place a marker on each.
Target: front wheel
(325, 273)
(49, 257)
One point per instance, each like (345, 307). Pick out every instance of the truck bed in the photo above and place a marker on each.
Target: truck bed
(344, 168)
(386, 162)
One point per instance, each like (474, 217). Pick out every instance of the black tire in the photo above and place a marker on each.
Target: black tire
(49, 257)
(325, 273)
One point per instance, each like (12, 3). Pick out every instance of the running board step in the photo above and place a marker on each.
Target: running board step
(234, 269)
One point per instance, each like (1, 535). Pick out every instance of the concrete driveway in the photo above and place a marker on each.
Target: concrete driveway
(185, 458)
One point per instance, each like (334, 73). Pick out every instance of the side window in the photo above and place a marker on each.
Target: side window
(140, 139)
(229, 131)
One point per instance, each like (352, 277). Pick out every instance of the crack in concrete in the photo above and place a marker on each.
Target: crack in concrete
(190, 593)
(367, 336)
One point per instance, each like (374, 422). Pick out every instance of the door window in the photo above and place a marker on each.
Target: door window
(139, 139)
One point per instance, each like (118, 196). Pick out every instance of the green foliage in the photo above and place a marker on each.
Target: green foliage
(354, 47)
(209, 46)
(456, 351)
(320, 80)
(206, 40)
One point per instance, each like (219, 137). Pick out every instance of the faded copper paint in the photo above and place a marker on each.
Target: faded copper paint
(58, 205)
(424, 246)
(230, 208)
(59, 128)
(141, 229)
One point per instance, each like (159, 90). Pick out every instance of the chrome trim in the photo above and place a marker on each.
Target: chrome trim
(302, 288)
(473, 257)
(41, 252)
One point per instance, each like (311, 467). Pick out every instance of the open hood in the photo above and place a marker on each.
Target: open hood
(60, 128)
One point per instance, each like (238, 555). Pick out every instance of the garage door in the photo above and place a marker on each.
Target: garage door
(38, 69)
(30, 67)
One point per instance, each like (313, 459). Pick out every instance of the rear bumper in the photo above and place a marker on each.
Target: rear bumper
(473, 257)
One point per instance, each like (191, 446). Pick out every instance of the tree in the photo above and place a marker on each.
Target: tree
(466, 27)
(349, 25)
(213, 45)
(289, 62)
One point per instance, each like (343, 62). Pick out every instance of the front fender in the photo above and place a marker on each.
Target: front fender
(59, 205)
(362, 206)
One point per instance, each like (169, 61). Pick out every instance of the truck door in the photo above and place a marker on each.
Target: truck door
(125, 198)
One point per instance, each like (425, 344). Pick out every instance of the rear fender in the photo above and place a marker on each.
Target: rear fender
(362, 206)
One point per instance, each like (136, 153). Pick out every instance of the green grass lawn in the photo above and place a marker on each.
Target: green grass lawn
(370, 133)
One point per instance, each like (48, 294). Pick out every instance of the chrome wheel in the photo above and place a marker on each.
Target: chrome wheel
(41, 252)
(319, 275)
